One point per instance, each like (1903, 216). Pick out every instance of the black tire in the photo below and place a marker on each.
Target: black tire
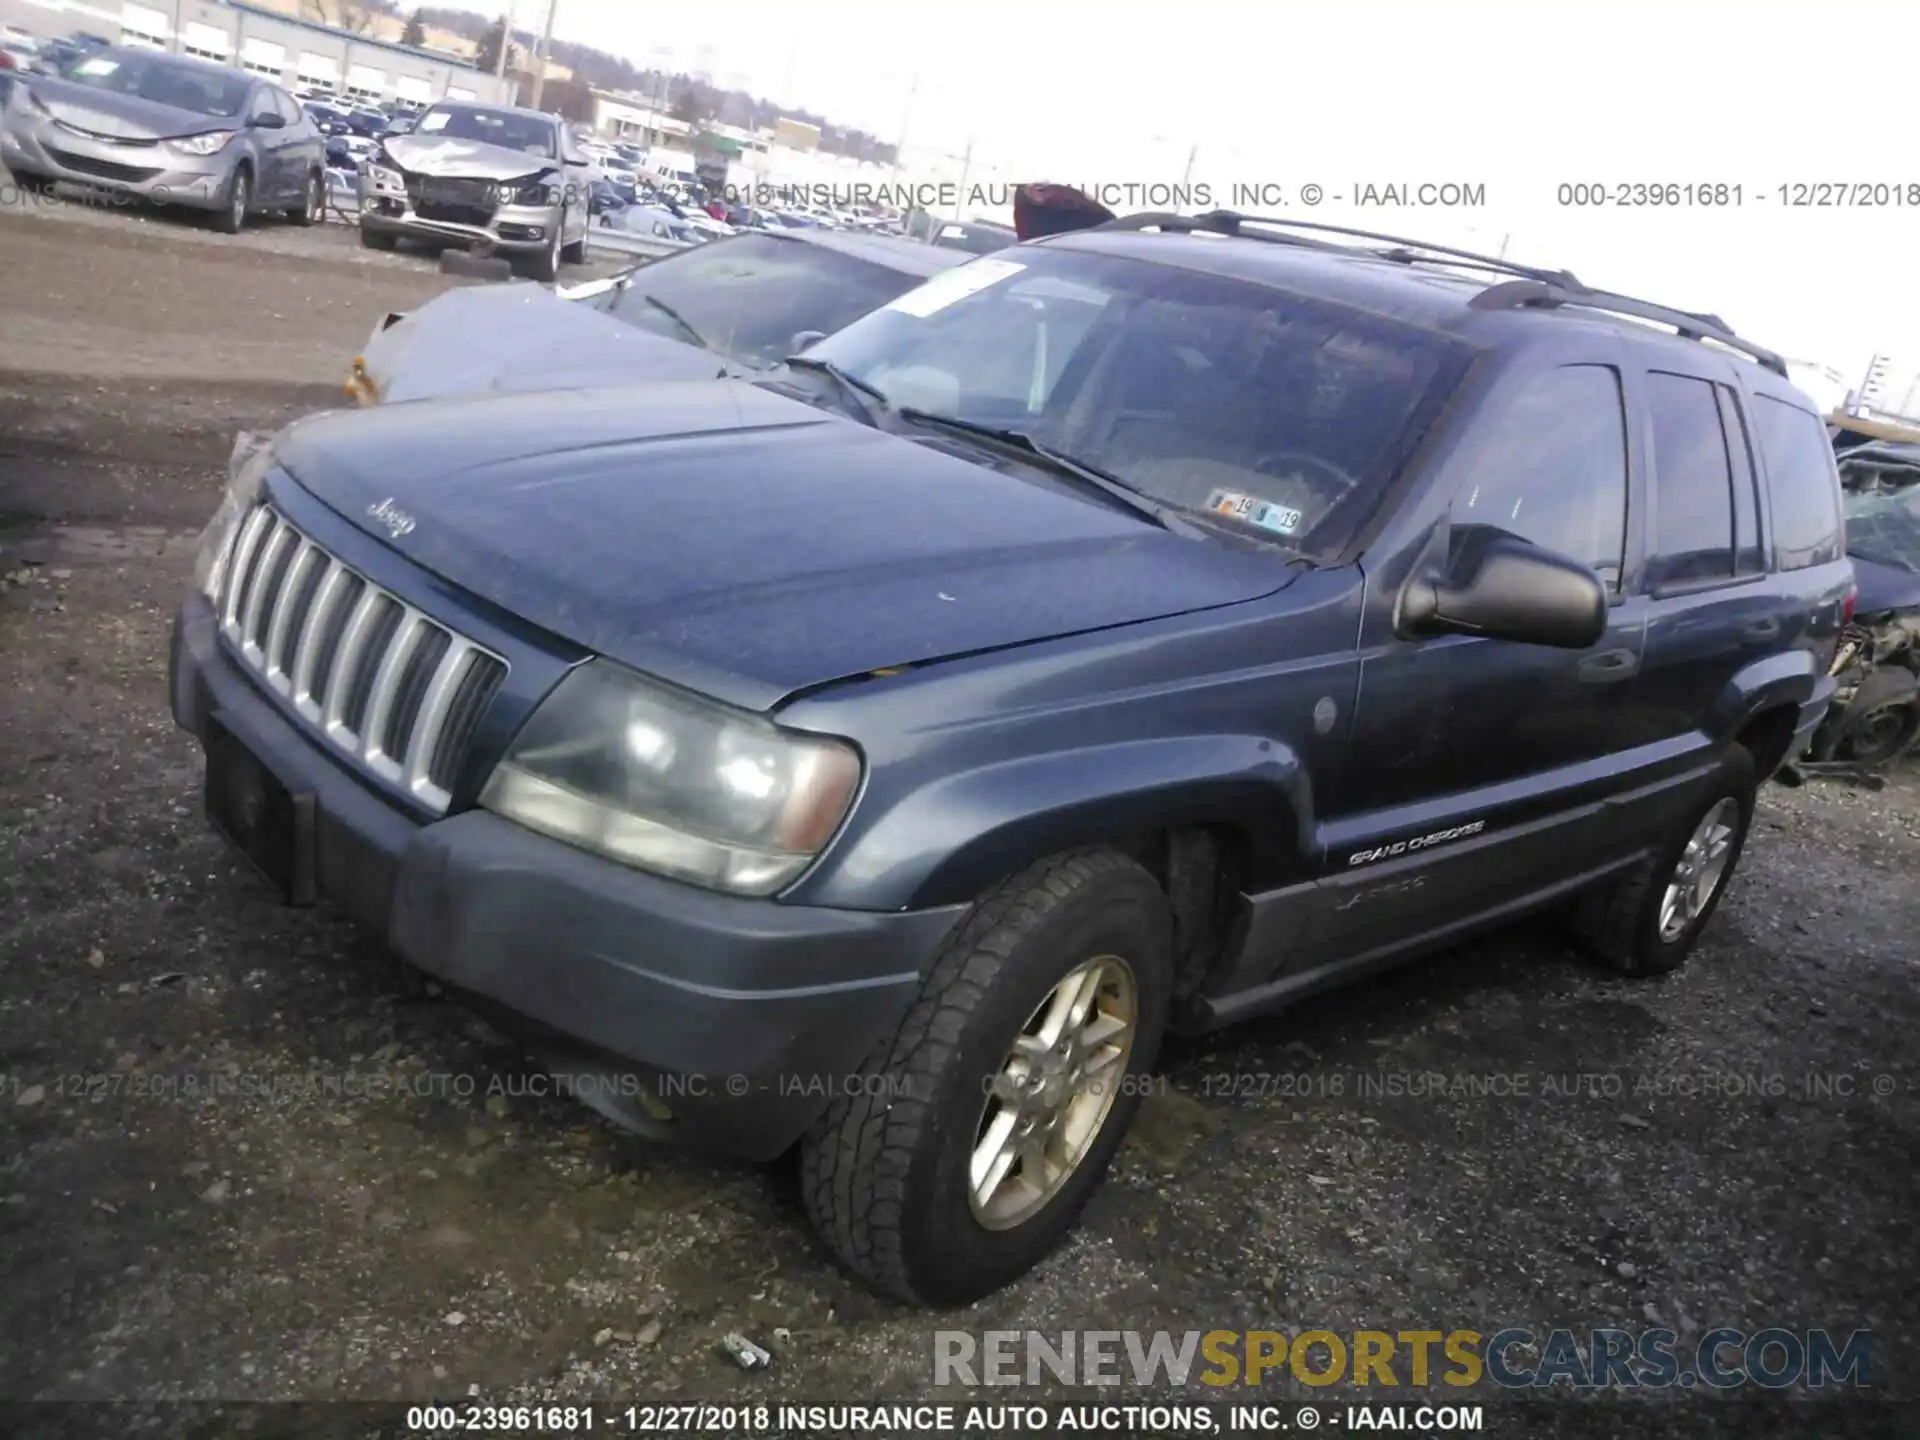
(1881, 722)
(1621, 921)
(231, 217)
(312, 208)
(545, 267)
(885, 1172)
(377, 239)
(576, 253)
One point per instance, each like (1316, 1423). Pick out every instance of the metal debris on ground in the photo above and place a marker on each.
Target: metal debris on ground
(743, 1352)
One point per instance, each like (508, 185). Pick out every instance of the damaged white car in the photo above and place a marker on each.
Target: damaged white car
(483, 177)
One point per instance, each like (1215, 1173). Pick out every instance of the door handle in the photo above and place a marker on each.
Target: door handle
(1609, 666)
(1763, 630)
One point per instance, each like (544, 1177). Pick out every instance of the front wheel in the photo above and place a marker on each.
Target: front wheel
(231, 217)
(545, 267)
(377, 239)
(1006, 1089)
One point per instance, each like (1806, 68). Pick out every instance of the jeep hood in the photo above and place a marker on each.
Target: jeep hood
(746, 545)
(491, 338)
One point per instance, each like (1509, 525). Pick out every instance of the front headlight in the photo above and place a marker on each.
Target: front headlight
(673, 783)
(211, 143)
(384, 178)
(538, 192)
(246, 476)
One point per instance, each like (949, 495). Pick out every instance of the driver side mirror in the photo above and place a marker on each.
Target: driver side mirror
(269, 120)
(1501, 587)
(803, 339)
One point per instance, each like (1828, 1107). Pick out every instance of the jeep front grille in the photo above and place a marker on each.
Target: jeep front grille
(399, 693)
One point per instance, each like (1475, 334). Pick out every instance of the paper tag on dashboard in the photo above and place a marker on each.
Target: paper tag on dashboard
(955, 284)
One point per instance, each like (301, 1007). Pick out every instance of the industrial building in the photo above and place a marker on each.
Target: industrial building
(298, 53)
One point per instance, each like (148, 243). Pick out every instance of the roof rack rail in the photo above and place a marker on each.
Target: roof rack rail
(1210, 222)
(1689, 324)
(1533, 288)
(1229, 222)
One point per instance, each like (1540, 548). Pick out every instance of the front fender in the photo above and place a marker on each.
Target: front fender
(953, 839)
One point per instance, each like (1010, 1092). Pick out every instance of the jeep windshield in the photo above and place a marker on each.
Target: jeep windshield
(1282, 414)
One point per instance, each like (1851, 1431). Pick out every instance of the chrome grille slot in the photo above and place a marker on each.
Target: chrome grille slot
(465, 702)
(398, 692)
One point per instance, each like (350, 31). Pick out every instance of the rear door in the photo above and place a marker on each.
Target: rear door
(1711, 609)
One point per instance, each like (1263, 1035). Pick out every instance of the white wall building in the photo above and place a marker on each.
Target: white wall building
(296, 53)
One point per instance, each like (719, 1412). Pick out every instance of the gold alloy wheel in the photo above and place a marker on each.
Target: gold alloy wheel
(1054, 1092)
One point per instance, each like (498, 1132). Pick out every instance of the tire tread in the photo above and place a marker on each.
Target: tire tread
(855, 1161)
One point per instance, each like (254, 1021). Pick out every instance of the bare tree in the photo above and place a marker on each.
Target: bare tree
(357, 17)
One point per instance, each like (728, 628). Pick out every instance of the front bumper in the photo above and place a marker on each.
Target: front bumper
(744, 1017)
(146, 172)
(509, 228)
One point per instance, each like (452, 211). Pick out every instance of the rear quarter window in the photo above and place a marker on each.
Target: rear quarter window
(1802, 484)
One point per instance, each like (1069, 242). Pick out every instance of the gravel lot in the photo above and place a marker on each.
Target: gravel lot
(1733, 1146)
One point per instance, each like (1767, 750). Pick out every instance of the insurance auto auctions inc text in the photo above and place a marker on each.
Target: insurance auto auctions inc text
(1514, 1358)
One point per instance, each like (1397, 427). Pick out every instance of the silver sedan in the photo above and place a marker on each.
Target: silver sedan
(167, 129)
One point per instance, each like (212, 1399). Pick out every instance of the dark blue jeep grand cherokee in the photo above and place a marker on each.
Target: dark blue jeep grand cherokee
(1132, 630)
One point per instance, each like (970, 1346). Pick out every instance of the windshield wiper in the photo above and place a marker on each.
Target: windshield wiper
(1109, 485)
(869, 399)
(676, 317)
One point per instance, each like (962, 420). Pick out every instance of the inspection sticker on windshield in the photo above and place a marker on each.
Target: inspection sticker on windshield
(955, 284)
(96, 67)
(436, 121)
(1251, 508)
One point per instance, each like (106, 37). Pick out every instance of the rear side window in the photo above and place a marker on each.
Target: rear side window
(1802, 484)
(1693, 483)
(1748, 557)
(1552, 468)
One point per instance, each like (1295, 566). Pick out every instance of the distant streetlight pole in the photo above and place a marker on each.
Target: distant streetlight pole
(540, 56)
(960, 192)
(506, 43)
(906, 115)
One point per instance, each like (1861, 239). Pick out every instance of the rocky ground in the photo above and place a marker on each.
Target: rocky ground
(243, 1156)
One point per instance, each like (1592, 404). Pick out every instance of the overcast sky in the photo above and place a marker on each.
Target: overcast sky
(1519, 97)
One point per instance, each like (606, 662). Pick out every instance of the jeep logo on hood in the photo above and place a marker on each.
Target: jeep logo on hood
(397, 521)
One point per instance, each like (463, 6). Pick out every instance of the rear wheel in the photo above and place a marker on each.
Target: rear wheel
(1006, 1089)
(231, 217)
(1646, 921)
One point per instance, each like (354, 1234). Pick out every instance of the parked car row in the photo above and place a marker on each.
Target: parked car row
(176, 130)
